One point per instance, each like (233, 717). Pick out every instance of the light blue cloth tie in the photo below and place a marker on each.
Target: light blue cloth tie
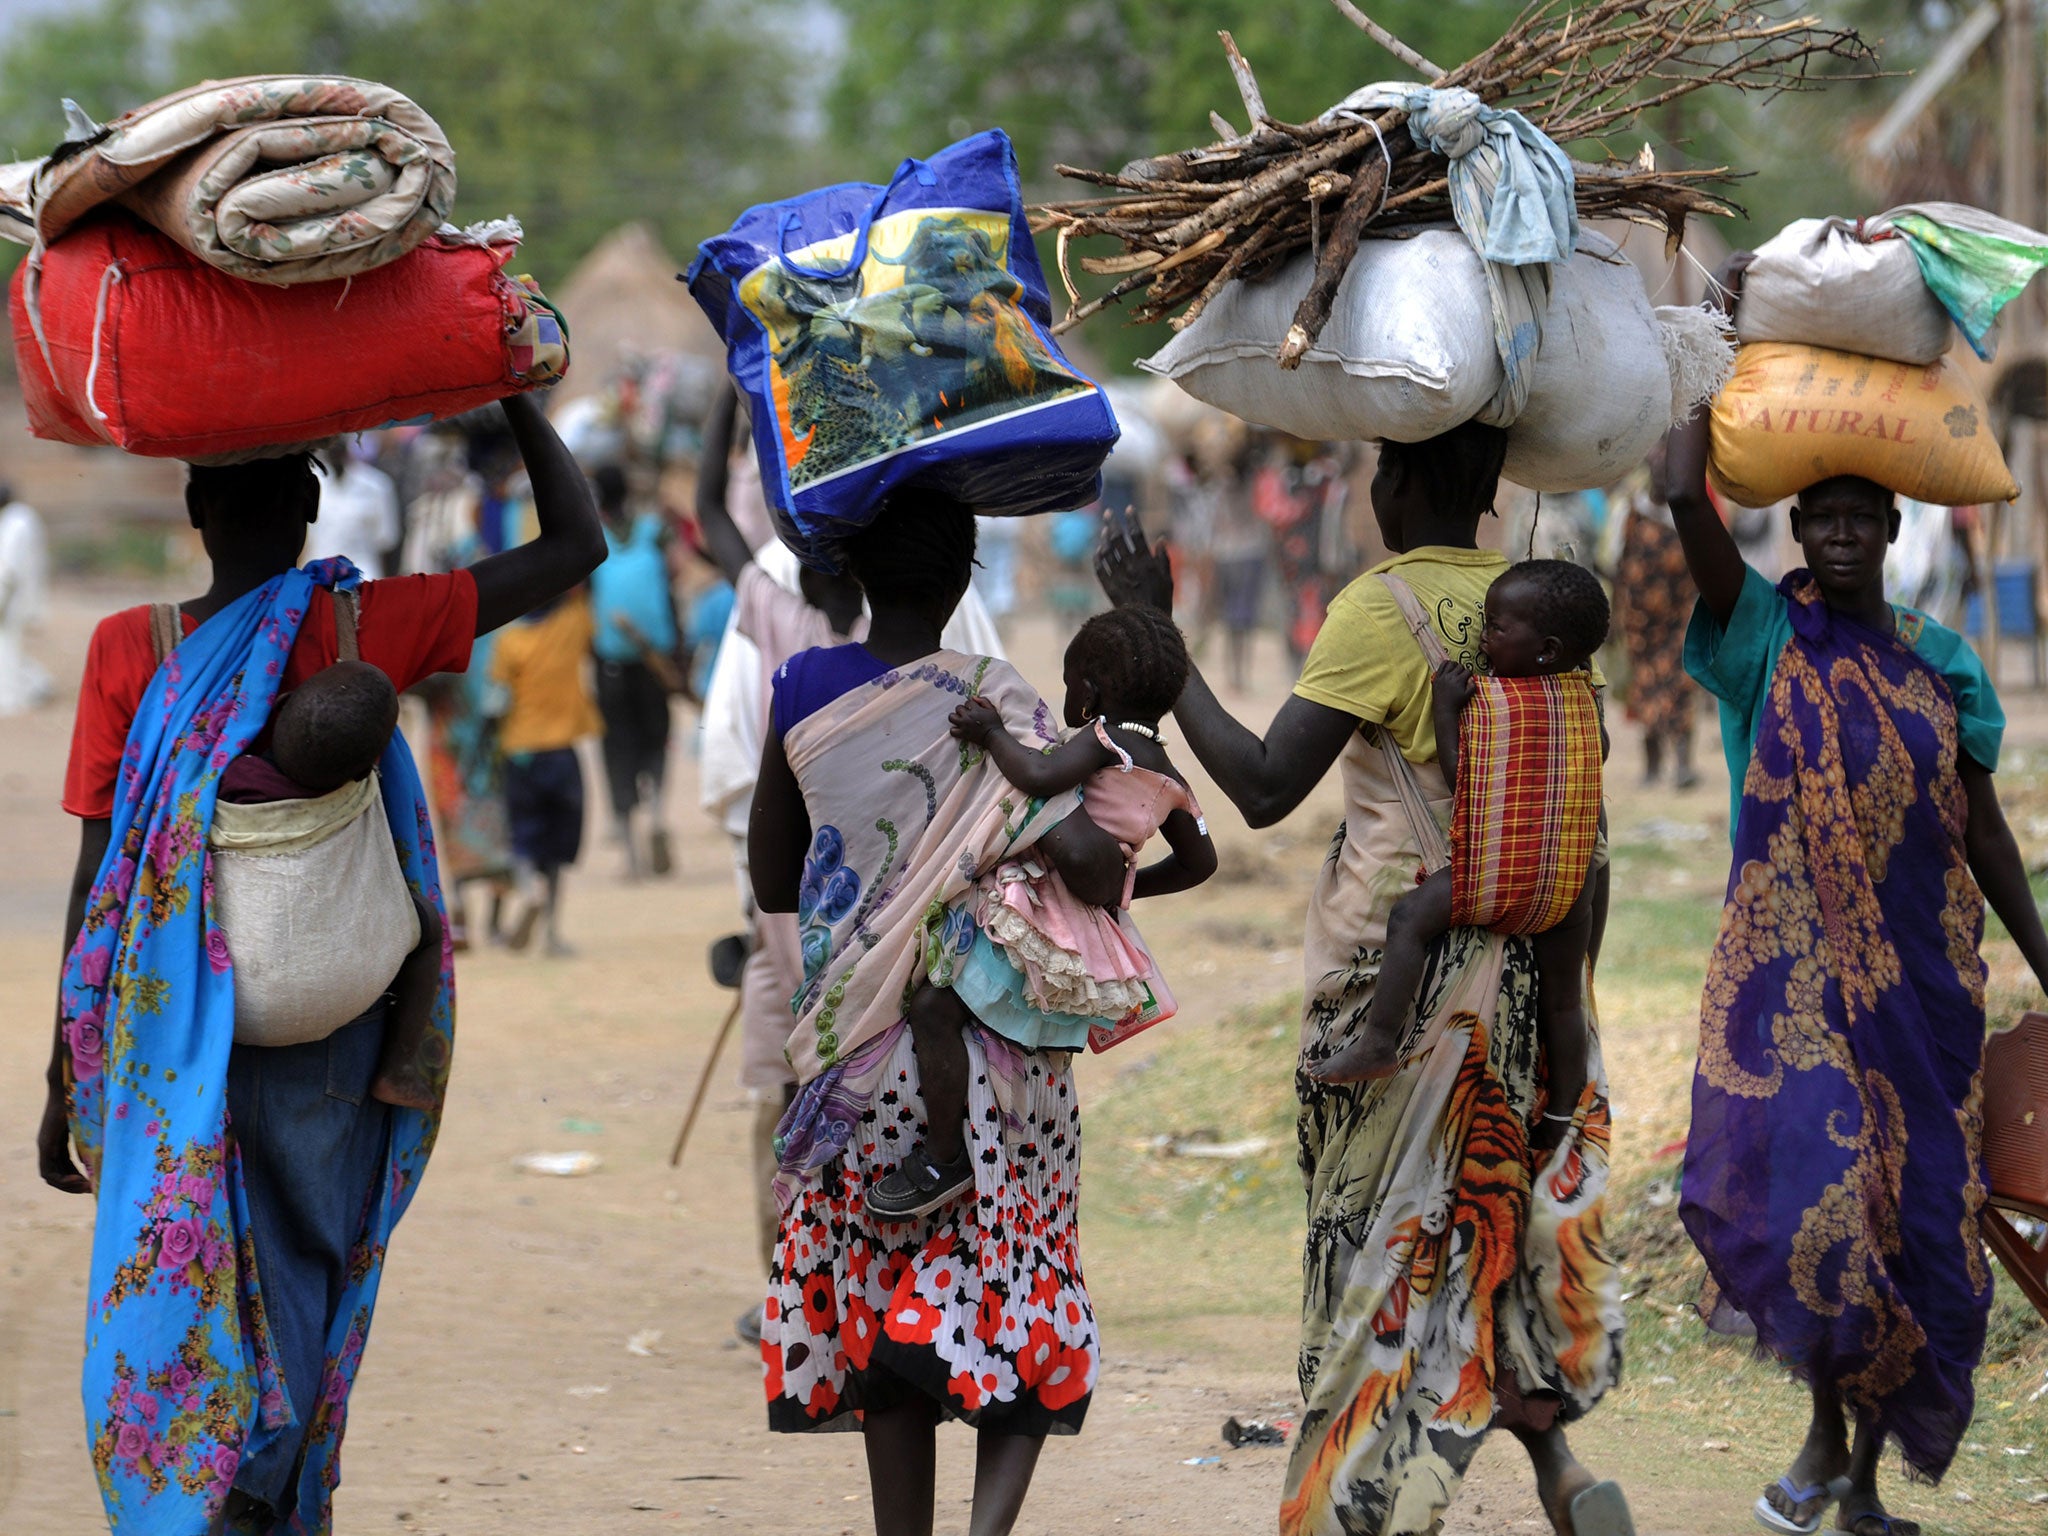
(1513, 194)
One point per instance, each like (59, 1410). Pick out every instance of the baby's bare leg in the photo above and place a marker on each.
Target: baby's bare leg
(1562, 1021)
(1418, 920)
(407, 1071)
(937, 1017)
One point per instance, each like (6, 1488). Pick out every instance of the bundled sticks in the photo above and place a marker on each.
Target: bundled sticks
(1197, 219)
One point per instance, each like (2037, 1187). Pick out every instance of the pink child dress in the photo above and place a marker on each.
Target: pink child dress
(1077, 958)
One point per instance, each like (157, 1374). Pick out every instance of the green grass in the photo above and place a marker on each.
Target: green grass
(1229, 1229)
(129, 549)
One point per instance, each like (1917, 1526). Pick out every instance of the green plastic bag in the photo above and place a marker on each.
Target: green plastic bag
(1973, 261)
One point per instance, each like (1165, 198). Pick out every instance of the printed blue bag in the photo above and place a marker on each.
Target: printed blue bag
(884, 335)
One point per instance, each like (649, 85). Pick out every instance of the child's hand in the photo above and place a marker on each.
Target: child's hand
(1452, 685)
(975, 721)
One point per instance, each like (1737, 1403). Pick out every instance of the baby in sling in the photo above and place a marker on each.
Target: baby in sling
(314, 908)
(1521, 749)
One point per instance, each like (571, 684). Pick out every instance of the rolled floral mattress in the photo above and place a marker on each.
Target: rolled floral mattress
(274, 178)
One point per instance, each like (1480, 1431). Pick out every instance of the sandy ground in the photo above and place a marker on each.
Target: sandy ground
(500, 1393)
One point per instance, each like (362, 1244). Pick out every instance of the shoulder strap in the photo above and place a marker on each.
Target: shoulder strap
(166, 629)
(345, 611)
(1419, 624)
(1102, 735)
(1429, 837)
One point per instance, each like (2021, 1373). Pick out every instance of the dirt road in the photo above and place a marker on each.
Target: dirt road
(556, 1355)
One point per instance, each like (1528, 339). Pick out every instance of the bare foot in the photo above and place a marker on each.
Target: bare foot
(1368, 1057)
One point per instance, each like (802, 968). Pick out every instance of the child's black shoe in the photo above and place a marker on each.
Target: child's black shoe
(919, 1184)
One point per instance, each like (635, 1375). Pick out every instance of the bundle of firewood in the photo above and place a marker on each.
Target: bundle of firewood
(1193, 221)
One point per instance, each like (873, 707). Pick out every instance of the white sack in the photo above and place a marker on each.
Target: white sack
(1818, 284)
(1408, 352)
(1601, 394)
(315, 910)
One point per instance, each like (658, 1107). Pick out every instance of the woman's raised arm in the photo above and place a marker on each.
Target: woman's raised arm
(1265, 777)
(570, 544)
(1716, 564)
(723, 540)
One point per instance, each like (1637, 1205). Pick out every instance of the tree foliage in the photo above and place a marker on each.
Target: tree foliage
(1103, 81)
(573, 117)
(579, 116)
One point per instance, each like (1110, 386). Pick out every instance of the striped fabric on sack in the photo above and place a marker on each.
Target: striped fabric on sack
(1528, 801)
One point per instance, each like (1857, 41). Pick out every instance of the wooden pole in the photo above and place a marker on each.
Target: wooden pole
(2017, 192)
(675, 1155)
(2018, 187)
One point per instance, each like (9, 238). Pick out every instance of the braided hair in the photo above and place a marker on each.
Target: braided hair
(1569, 603)
(1136, 659)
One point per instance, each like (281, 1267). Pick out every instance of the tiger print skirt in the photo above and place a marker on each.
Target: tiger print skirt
(1447, 1284)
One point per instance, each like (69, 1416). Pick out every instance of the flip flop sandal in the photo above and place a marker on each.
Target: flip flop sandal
(1771, 1518)
(1602, 1511)
(1892, 1525)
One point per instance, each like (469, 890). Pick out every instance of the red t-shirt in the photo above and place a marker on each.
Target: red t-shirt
(408, 627)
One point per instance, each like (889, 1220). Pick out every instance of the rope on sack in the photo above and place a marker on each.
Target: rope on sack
(1315, 207)
(32, 297)
(1387, 181)
(99, 321)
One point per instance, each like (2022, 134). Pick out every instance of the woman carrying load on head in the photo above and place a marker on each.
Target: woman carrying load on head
(1831, 1176)
(246, 1193)
(869, 821)
(1454, 1280)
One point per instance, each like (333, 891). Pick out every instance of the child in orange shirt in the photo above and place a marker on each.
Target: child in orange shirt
(541, 663)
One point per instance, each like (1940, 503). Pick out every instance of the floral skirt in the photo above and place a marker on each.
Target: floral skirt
(978, 1307)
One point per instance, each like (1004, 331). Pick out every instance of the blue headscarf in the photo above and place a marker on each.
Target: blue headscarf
(179, 1381)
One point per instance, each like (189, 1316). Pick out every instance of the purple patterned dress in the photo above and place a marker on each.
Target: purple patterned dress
(1832, 1179)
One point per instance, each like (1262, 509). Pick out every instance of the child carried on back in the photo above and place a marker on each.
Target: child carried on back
(1521, 749)
(1045, 969)
(324, 735)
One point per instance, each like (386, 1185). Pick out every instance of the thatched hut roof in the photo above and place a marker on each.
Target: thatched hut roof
(623, 298)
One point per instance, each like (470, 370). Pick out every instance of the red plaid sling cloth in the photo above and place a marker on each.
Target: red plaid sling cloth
(1528, 780)
(1528, 802)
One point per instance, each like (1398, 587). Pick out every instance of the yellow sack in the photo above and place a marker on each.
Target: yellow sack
(1793, 416)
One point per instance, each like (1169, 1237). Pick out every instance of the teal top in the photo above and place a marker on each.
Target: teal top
(1736, 665)
(633, 584)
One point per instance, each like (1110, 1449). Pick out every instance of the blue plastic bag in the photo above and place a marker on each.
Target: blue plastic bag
(884, 335)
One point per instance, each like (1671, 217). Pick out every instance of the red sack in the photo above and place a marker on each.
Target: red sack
(122, 336)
